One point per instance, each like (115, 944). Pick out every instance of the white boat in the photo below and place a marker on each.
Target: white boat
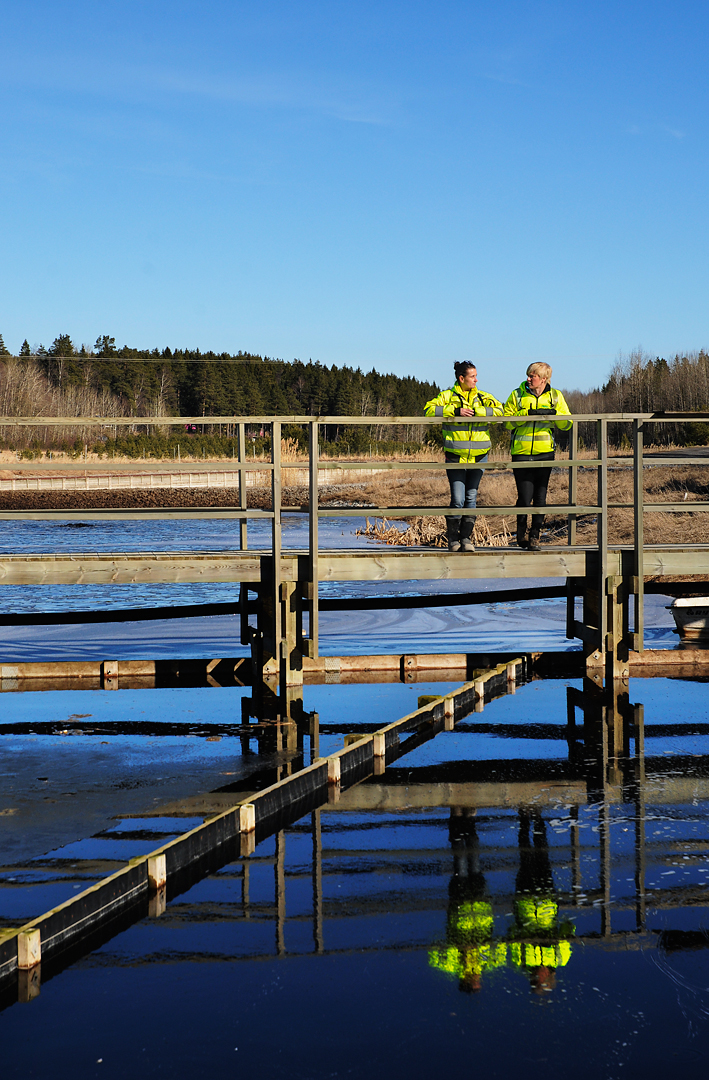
(691, 615)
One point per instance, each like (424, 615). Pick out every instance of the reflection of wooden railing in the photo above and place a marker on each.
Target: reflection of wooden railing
(602, 621)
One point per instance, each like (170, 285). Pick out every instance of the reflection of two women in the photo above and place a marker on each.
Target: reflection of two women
(536, 944)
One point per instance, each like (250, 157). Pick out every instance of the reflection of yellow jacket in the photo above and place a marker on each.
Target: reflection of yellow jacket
(525, 954)
(466, 437)
(473, 960)
(470, 922)
(536, 914)
(471, 950)
(534, 435)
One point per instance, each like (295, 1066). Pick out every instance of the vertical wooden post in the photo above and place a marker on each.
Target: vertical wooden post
(243, 504)
(602, 530)
(638, 539)
(291, 666)
(276, 488)
(573, 483)
(312, 582)
(616, 651)
(243, 534)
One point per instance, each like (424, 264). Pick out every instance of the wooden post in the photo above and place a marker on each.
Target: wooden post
(157, 871)
(573, 483)
(291, 666)
(29, 949)
(616, 651)
(638, 539)
(276, 488)
(602, 531)
(312, 581)
(247, 818)
(333, 770)
(243, 504)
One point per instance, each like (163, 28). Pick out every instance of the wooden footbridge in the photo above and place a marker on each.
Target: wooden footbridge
(610, 578)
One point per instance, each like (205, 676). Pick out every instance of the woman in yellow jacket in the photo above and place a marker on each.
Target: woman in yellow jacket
(465, 440)
(533, 440)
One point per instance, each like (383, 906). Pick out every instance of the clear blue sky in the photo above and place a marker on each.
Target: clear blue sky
(387, 184)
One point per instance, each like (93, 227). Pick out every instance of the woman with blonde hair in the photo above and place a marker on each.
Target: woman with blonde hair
(533, 440)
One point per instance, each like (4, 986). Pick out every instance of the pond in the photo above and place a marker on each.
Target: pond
(526, 893)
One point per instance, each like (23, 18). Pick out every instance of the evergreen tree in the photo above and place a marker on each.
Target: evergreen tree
(25, 348)
(3, 350)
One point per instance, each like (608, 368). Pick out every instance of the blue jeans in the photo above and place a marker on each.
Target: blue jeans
(464, 484)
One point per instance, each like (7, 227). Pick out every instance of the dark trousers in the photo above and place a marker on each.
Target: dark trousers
(532, 487)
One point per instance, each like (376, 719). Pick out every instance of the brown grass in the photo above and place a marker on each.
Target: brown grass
(662, 484)
(431, 532)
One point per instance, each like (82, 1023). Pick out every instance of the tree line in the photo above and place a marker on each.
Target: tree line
(640, 383)
(63, 380)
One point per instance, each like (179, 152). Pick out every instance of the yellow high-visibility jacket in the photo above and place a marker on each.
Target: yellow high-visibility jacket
(468, 438)
(535, 435)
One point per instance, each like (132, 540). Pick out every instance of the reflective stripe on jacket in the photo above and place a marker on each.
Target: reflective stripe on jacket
(467, 438)
(537, 436)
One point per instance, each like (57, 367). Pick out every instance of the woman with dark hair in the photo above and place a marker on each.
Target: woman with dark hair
(533, 440)
(466, 441)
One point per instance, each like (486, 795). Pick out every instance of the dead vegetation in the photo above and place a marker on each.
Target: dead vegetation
(670, 484)
(431, 532)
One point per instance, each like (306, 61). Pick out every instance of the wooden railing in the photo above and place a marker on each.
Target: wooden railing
(636, 423)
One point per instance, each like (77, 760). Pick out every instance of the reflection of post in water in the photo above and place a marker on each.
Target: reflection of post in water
(539, 943)
(280, 882)
(283, 722)
(639, 791)
(317, 881)
(469, 950)
(612, 774)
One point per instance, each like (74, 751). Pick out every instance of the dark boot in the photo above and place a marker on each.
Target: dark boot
(453, 529)
(522, 531)
(466, 533)
(534, 532)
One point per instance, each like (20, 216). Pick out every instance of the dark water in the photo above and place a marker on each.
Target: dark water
(515, 897)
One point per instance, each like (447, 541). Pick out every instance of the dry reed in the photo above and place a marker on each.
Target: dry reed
(431, 532)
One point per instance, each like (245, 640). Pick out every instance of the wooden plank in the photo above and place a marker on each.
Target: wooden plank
(400, 512)
(147, 514)
(438, 564)
(127, 569)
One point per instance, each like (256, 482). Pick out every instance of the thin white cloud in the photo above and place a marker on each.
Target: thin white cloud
(654, 128)
(326, 96)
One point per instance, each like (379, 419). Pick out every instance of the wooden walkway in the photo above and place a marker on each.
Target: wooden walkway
(610, 578)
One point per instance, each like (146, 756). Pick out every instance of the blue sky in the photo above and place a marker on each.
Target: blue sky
(390, 185)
